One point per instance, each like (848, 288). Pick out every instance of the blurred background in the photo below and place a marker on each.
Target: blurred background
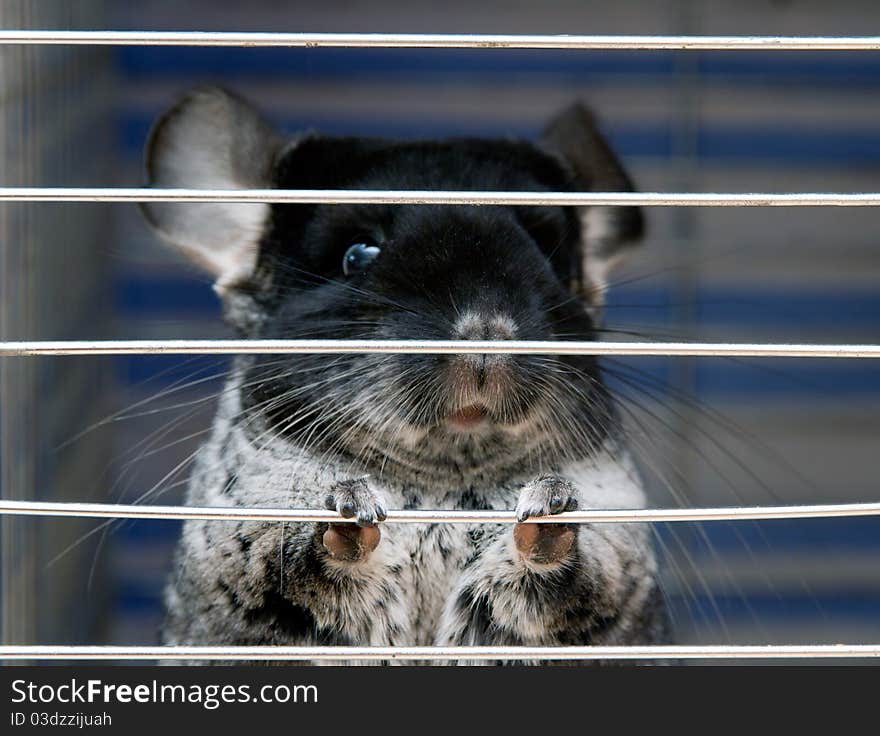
(707, 432)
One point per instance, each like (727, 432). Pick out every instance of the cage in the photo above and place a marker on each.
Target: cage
(733, 117)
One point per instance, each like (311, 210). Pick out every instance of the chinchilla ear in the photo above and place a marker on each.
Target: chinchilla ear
(607, 233)
(212, 139)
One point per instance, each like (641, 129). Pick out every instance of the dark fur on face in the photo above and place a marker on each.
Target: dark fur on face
(440, 272)
(443, 273)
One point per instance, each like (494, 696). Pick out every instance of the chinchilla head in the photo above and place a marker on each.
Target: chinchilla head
(403, 272)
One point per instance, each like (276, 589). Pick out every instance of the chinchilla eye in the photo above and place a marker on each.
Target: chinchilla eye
(358, 256)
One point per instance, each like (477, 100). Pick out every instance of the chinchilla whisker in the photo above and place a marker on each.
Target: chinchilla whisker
(648, 446)
(680, 266)
(121, 413)
(181, 440)
(285, 397)
(79, 540)
(358, 291)
(150, 439)
(663, 423)
(684, 439)
(724, 423)
(708, 436)
(142, 448)
(683, 587)
(104, 526)
(148, 449)
(682, 553)
(746, 546)
(178, 386)
(646, 454)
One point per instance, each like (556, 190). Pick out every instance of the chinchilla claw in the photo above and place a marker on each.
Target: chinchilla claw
(353, 499)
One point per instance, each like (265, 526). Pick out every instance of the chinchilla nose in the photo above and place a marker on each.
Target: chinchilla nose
(476, 370)
(476, 326)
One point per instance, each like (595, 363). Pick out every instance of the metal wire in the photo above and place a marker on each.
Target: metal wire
(441, 40)
(437, 197)
(391, 40)
(440, 654)
(435, 516)
(434, 347)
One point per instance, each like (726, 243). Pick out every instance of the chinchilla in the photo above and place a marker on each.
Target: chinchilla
(363, 433)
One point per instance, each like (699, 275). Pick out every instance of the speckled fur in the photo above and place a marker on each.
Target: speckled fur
(272, 583)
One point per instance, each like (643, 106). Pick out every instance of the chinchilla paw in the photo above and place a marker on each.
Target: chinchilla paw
(546, 496)
(545, 543)
(353, 499)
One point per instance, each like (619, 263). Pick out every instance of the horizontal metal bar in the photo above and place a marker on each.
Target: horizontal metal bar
(465, 197)
(441, 40)
(434, 347)
(440, 654)
(435, 516)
